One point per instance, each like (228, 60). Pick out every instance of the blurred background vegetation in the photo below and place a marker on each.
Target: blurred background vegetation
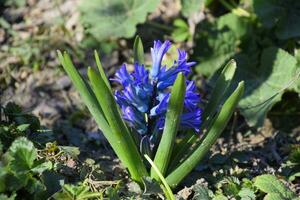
(263, 36)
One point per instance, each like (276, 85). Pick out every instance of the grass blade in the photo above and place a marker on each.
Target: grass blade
(219, 123)
(175, 107)
(124, 143)
(167, 190)
(138, 50)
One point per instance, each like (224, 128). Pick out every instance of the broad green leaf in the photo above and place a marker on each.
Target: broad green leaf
(218, 125)
(274, 196)
(71, 151)
(217, 42)
(189, 7)
(23, 154)
(270, 184)
(40, 166)
(265, 83)
(202, 193)
(175, 107)
(114, 18)
(138, 51)
(80, 191)
(247, 194)
(23, 127)
(5, 197)
(282, 15)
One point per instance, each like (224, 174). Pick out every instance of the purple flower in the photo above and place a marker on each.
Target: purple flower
(144, 97)
(157, 52)
(167, 77)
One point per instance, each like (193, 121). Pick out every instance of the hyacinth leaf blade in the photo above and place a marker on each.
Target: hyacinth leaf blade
(175, 107)
(138, 51)
(218, 125)
(166, 188)
(221, 88)
(86, 93)
(100, 68)
(124, 144)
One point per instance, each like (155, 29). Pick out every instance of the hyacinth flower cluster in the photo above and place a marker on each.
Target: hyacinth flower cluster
(145, 95)
(142, 120)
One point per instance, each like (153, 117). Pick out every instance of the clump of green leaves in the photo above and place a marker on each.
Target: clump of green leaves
(172, 161)
(14, 122)
(80, 192)
(21, 170)
(274, 188)
(292, 165)
(181, 31)
(246, 34)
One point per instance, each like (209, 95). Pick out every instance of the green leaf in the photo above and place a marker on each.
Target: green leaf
(175, 107)
(116, 131)
(40, 166)
(281, 15)
(247, 194)
(217, 42)
(220, 89)
(23, 154)
(71, 151)
(80, 191)
(101, 70)
(23, 127)
(265, 83)
(114, 18)
(86, 93)
(271, 185)
(190, 7)
(5, 197)
(202, 193)
(214, 132)
(123, 142)
(166, 187)
(138, 51)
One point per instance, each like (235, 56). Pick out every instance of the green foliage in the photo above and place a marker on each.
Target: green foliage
(181, 31)
(21, 169)
(274, 188)
(265, 82)
(14, 3)
(261, 55)
(190, 7)
(175, 107)
(217, 42)
(99, 99)
(105, 19)
(138, 50)
(80, 192)
(291, 168)
(15, 123)
(283, 16)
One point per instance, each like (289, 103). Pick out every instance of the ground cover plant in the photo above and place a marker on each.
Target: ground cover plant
(60, 141)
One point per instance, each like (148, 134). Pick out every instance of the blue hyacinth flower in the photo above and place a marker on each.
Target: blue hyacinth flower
(144, 96)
